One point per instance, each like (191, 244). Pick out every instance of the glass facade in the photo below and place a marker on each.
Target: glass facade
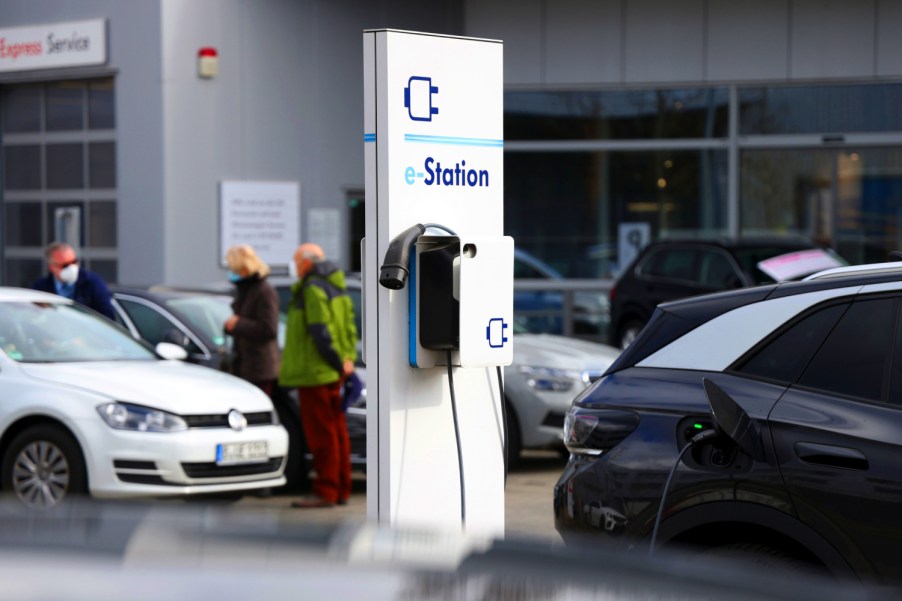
(58, 151)
(566, 207)
(616, 115)
(822, 161)
(850, 198)
(825, 109)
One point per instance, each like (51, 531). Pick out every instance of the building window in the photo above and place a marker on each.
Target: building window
(826, 109)
(566, 207)
(616, 115)
(59, 158)
(849, 198)
(579, 164)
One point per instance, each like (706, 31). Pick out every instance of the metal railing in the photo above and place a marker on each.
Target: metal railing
(570, 307)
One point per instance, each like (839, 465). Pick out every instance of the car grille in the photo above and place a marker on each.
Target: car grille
(144, 479)
(212, 470)
(145, 472)
(260, 418)
(138, 472)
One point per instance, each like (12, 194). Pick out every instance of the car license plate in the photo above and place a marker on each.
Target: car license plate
(241, 452)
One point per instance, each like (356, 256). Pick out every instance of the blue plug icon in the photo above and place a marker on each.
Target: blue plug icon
(418, 98)
(494, 332)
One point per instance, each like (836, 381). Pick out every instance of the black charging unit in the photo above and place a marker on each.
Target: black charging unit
(439, 310)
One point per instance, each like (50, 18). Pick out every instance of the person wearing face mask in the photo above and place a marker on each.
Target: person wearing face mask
(67, 279)
(254, 324)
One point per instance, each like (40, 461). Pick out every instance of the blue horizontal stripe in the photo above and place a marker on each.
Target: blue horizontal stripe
(369, 137)
(454, 141)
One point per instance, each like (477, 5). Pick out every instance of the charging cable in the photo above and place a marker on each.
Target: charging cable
(396, 263)
(439, 226)
(701, 436)
(505, 446)
(460, 457)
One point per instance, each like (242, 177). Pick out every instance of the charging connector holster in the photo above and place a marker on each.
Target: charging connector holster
(439, 319)
(460, 301)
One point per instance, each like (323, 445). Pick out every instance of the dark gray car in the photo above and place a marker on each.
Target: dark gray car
(762, 423)
(672, 269)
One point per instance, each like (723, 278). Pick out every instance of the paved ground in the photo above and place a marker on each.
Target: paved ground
(527, 500)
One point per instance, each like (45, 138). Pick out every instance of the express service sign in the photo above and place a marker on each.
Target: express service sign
(71, 44)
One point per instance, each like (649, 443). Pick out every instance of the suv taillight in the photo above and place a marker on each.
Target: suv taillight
(595, 431)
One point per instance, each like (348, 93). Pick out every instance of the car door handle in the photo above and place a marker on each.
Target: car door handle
(831, 456)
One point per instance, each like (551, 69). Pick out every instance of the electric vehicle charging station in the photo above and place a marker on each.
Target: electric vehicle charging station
(437, 280)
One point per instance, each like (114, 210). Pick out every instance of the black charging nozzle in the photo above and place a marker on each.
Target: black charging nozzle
(394, 271)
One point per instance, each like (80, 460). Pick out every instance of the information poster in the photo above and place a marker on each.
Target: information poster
(265, 215)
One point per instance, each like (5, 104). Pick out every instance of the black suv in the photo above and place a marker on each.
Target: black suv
(765, 421)
(673, 269)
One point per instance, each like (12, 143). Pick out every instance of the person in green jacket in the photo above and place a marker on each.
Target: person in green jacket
(320, 350)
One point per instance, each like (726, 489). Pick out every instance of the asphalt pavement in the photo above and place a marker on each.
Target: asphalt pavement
(528, 509)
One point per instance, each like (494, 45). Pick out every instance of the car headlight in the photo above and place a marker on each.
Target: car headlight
(126, 416)
(550, 379)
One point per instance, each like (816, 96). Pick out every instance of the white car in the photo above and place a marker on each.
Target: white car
(539, 386)
(88, 409)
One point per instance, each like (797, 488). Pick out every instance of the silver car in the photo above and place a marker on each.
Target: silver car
(547, 372)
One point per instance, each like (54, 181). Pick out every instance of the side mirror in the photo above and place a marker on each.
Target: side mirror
(731, 420)
(170, 351)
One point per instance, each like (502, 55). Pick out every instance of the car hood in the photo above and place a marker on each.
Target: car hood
(548, 350)
(169, 385)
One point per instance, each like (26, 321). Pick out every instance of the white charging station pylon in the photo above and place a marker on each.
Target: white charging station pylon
(433, 136)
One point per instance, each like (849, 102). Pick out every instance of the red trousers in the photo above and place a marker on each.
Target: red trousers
(327, 438)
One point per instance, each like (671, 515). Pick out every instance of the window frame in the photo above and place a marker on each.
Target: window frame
(850, 300)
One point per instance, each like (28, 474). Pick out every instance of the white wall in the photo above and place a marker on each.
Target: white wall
(241, 124)
(287, 105)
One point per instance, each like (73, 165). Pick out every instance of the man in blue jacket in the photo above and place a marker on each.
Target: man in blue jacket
(66, 279)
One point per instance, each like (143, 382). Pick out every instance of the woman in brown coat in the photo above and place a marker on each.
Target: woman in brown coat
(254, 325)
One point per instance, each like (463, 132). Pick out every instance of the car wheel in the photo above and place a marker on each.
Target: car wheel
(762, 556)
(629, 332)
(514, 440)
(43, 466)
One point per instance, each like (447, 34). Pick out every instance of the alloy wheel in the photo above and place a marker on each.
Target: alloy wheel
(41, 474)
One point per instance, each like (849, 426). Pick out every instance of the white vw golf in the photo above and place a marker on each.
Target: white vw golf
(84, 408)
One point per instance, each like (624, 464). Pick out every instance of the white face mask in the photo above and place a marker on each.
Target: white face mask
(69, 274)
(293, 271)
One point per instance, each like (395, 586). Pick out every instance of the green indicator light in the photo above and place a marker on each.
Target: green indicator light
(697, 426)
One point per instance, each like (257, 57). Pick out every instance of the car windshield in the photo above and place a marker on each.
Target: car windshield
(38, 332)
(205, 313)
